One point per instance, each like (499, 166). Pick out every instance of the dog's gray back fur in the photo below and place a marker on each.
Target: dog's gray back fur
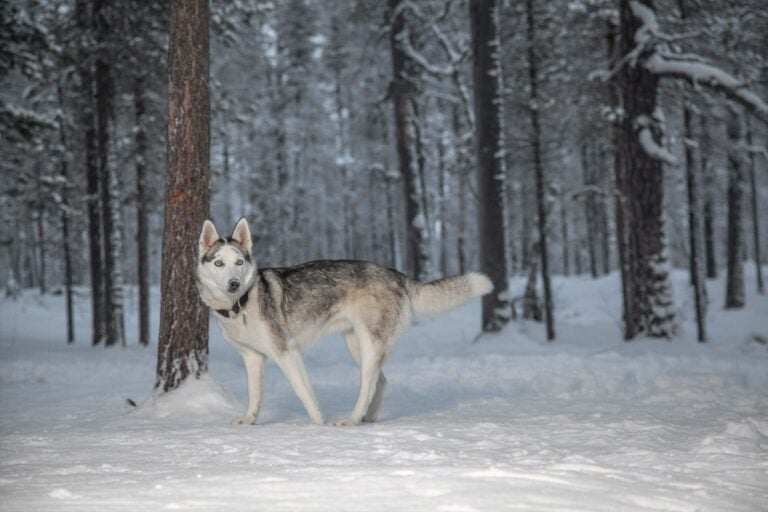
(296, 298)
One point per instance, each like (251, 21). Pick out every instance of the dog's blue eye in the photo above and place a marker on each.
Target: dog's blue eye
(239, 262)
(218, 263)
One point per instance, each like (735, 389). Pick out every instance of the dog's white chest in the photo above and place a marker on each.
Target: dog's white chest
(243, 330)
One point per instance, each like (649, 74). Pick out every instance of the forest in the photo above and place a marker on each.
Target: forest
(567, 137)
(603, 162)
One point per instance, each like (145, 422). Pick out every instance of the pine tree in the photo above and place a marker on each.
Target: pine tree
(401, 92)
(651, 307)
(734, 280)
(491, 172)
(538, 169)
(183, 345)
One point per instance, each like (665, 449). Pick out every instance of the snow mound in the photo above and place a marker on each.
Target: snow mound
(200, 398)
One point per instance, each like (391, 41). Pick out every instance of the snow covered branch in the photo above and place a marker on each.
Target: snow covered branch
(649, 144)
(662, 61)
(700, 73)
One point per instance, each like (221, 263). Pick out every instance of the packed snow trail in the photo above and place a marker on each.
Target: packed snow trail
(509, 423)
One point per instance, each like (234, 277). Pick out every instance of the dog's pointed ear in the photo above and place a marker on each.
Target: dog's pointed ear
(242, 234)
(208, 237)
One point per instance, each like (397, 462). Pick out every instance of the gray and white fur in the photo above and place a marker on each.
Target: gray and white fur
(278, 312)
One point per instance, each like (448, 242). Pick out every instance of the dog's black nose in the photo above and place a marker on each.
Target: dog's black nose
(234, 284)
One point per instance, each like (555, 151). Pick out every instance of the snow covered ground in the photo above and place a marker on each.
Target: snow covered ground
(509, 423)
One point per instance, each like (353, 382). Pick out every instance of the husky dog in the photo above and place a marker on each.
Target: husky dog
(277, 312)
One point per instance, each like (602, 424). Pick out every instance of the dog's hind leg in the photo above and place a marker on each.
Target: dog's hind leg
(373, 409)
(293, 367)
(370, 360)
(353, 345)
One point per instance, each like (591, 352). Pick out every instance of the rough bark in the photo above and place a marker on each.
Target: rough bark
(183, 345)
(491, 175)
(538, 168)
(651, 298)
(734, 281)
(401, 92)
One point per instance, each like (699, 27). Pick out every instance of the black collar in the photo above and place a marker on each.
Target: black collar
(237, 306)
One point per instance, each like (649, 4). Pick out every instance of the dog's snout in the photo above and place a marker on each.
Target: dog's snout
(234, 284)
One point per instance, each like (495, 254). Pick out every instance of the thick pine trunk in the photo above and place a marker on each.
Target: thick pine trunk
(87, 123)
(401, 91)
(182, 349)
(538, 167)
(491, 175)
(734, 280)
(652, 309)
(142, 210)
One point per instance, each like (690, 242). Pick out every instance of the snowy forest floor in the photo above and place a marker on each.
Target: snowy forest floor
(509, 423)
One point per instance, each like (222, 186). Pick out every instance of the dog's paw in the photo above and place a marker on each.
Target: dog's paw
(244, 420)
(345, 422)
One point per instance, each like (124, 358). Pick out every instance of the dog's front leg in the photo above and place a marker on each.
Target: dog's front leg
(254, 368)
(293, 367)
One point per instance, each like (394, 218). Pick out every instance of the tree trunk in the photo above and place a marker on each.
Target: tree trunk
(88, 128)
(564, 231)
(182, 349)
(619, 192)
(538, 168)
(755, 211)
(63, 172)
(652, 309)
(110, 206)
(491, 175)
(531, 303)
(734, 283)
(401, 91)
(142, 210)
(441, 226)
(40, 225)
(694, 230)
(589, 209)
(708, 210)
(602, 216)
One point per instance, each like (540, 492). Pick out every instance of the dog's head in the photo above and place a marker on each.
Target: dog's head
(224, 266)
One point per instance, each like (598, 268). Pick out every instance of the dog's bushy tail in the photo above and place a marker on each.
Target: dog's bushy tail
(436, 297)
